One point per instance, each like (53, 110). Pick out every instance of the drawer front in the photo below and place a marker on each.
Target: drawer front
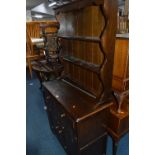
(65, 131)
(75, 138)
(61, 124)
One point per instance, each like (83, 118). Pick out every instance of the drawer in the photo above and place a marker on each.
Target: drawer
(66, 130)
(62, 125)
(77, 138)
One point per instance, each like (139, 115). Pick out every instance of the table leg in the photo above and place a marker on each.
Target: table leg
(115, 146)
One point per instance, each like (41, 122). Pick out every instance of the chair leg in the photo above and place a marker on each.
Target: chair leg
(30, 67)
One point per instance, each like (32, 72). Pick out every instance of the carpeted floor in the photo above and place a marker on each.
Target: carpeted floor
(39, 138)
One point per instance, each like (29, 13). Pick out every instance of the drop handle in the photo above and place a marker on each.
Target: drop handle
(63, 115)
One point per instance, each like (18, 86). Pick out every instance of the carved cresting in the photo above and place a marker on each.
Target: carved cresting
(106, 42)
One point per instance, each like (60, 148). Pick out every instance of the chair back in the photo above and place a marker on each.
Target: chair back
(29, 47)
(33, 29)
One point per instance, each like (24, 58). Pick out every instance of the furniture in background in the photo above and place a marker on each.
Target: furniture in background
(34, 42)
(118, 122)
(78, 103)
(50, 67)
(120, 81)
(50, 41)
(32, 53)
(123, 17)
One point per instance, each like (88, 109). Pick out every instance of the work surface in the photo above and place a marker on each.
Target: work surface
(77, 103)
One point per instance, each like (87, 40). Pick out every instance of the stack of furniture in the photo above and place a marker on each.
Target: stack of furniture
(35, 41)
(78, 103)
(32, 53)
(51, 66)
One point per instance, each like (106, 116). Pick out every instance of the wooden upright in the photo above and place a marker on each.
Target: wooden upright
(79, 101)
(33, 32)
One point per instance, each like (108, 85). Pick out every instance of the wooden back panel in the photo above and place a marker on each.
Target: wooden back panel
(87, 39)
(33, 29)
(82, 23)
(29, 47)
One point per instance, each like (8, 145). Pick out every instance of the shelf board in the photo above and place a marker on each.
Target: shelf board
(87, 65)
(82, 38)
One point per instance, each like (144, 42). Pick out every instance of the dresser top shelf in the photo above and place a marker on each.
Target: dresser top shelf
(82, 38)
(78, 104)
(87, 65)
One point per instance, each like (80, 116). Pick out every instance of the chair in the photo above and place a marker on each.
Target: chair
(32, 51)
(50, 67)
(35, 42)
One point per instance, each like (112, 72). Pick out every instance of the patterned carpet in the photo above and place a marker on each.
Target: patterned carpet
(39, 138)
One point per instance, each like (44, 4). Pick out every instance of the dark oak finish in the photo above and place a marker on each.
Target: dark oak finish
(84, 38)
(74, 118)
(88, 34)
(78, 103)
(82, 63)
